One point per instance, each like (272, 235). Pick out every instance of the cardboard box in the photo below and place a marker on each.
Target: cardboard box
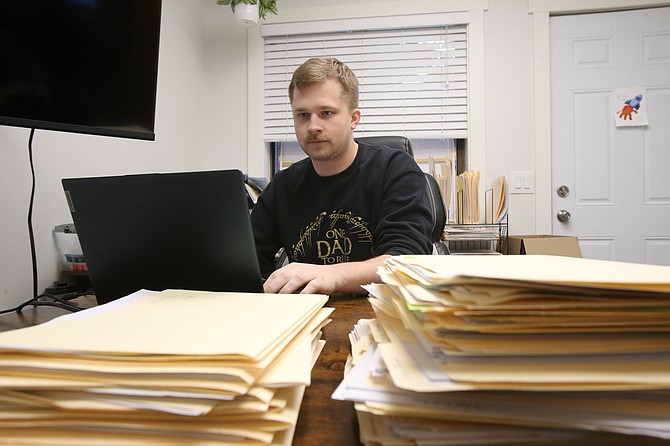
(557, 245)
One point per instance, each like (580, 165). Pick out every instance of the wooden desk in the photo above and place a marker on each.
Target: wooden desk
(322, 420)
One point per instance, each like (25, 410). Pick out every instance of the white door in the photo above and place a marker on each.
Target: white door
(616, 179)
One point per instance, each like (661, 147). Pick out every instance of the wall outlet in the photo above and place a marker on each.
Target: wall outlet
(522, 182)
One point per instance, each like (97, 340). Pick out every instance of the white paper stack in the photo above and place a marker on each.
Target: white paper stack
(167, 368)
(513, 349)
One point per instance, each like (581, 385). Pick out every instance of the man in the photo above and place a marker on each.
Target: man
(347, 207)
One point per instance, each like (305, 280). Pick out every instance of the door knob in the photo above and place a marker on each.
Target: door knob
(563, 216)
(563, 191)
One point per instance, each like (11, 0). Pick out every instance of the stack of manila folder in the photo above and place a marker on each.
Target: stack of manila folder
(163, 368)
(518, 349)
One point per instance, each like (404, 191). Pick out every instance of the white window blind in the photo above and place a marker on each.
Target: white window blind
(413, 81)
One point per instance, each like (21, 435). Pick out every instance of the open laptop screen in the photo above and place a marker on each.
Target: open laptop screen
(158, 231)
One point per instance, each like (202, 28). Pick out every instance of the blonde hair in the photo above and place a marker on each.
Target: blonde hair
(318, 69)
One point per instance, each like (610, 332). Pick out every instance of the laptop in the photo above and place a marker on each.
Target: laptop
(162, 231)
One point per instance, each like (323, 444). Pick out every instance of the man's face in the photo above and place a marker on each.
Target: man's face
(323, 122)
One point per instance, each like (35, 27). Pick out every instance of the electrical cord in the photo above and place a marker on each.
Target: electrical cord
(30, 214)
(57, 301)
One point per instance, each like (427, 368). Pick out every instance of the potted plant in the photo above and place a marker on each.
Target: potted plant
(248, 11)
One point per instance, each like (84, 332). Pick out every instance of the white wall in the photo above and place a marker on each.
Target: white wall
(200, 124)
(509, 102)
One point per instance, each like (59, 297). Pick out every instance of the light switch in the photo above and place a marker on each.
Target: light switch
(523, 182)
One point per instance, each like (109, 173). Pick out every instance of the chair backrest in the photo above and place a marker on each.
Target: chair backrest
(394, 142)
(432, 188)
(439, 213)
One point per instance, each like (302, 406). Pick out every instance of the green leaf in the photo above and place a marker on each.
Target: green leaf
(264, 6)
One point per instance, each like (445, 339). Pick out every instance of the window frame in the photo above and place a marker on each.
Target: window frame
(259, 154)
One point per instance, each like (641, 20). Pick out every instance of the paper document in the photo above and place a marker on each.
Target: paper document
(465, 349)
(226, 368)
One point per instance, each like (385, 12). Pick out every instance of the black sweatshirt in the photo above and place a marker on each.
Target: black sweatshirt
(376, 206)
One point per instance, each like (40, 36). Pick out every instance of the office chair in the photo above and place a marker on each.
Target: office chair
(432, 188)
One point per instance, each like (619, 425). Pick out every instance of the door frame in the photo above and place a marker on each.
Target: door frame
(541, 10)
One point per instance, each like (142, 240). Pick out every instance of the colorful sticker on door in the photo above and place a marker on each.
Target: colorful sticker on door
(630, 106)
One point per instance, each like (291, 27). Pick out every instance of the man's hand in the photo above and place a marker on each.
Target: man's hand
(302, 277)
(324, 279)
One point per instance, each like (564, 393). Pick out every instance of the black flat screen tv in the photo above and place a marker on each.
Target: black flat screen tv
(82, 66)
